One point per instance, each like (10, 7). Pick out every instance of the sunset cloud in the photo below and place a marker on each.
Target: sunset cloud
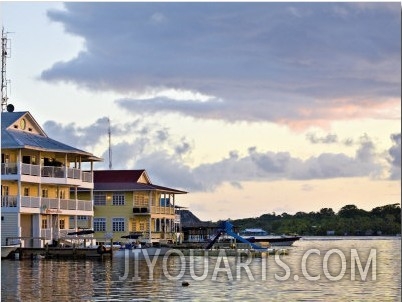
(298, 64)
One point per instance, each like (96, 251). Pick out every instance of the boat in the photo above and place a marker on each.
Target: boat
(6, 250)
(83, 232)
(259, 235)
(135, 245)
(142, 252)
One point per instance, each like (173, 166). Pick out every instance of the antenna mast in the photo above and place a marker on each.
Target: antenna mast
(110, 146)
(5, 53)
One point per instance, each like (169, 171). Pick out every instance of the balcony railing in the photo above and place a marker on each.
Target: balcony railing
(46, 203)
(162, 210)
(9, 201)
(8, 168)
(46, 171)
(33, 170)
(154, 210)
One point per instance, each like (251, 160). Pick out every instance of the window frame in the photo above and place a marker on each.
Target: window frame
(118, 224)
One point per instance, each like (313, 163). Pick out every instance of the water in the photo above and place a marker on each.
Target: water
(219, 278)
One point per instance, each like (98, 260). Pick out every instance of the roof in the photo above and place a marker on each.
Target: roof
(119, 176)
(127, 180)
(14, 138)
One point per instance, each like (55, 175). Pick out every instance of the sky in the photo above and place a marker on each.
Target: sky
(252, 108)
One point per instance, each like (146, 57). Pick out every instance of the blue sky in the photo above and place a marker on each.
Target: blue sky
(251, 107)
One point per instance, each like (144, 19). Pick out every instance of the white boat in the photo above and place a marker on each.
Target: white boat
(141, 253)
(7, 249)
(259, 235)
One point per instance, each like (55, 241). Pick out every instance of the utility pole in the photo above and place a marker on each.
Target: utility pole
(110, 145)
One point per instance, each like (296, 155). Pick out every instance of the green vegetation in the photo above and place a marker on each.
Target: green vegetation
(350, 220)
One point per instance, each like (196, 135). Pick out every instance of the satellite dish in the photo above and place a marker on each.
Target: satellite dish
(10, 108)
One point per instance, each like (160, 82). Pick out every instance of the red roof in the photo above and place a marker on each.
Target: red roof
(121, 176)
(126, 180)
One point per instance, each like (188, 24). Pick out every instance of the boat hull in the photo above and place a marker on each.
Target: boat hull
(275, 241)
(6, 250)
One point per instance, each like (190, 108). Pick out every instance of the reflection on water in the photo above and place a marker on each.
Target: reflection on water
(217, 278)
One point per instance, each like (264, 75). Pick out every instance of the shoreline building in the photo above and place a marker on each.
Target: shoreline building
(39, 182)
(127, 203)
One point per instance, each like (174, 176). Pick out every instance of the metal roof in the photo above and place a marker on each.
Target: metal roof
(17, 139)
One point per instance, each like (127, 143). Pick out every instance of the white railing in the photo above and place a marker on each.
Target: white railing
(87, 176)
(28, 169)
(73, 173)
(49, 203)
(30, 202)
(9, 168)
(50, 171)
(11, 201)
(46, 171)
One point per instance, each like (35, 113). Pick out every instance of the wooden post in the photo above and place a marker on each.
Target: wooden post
(20, 251)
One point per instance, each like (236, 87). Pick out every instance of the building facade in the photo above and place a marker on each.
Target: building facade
(126, 202)
(39, 182)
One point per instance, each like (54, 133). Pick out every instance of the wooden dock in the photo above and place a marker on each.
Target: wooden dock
(74, 251)
(61, 252)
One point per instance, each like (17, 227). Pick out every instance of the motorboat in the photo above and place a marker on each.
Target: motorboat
(6, 250)
(259, 235)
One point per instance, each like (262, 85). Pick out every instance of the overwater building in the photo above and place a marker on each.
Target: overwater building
(39, 181)
(126, 202)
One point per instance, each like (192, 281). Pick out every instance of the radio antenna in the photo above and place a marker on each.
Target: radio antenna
(5, 53)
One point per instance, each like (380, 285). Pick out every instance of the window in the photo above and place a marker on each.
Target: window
(71, 222)
(45, 193)
(100, 224)
(44, 223)
(165, 201)
(62, 194)
(118, 224)
(118, 199)
(4, 190)
(99, 198)
(26, 191)
(142, 226)
(62, 224)
(141, 200)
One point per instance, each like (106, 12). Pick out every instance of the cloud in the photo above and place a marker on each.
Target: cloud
(151, 147)
(85, 137)
(395, 156)
(298, 63)
(328, 139)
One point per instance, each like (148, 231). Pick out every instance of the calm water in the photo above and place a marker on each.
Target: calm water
(219, 278)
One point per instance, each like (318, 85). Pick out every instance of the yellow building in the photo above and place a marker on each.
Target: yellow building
(126, 202)
(39, 182)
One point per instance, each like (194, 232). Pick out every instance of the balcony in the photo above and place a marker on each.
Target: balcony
(162, 210)
(46, 171)
(47, 205)
(141, 210)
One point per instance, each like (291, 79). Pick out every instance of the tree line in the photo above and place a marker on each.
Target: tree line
(349, 220)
